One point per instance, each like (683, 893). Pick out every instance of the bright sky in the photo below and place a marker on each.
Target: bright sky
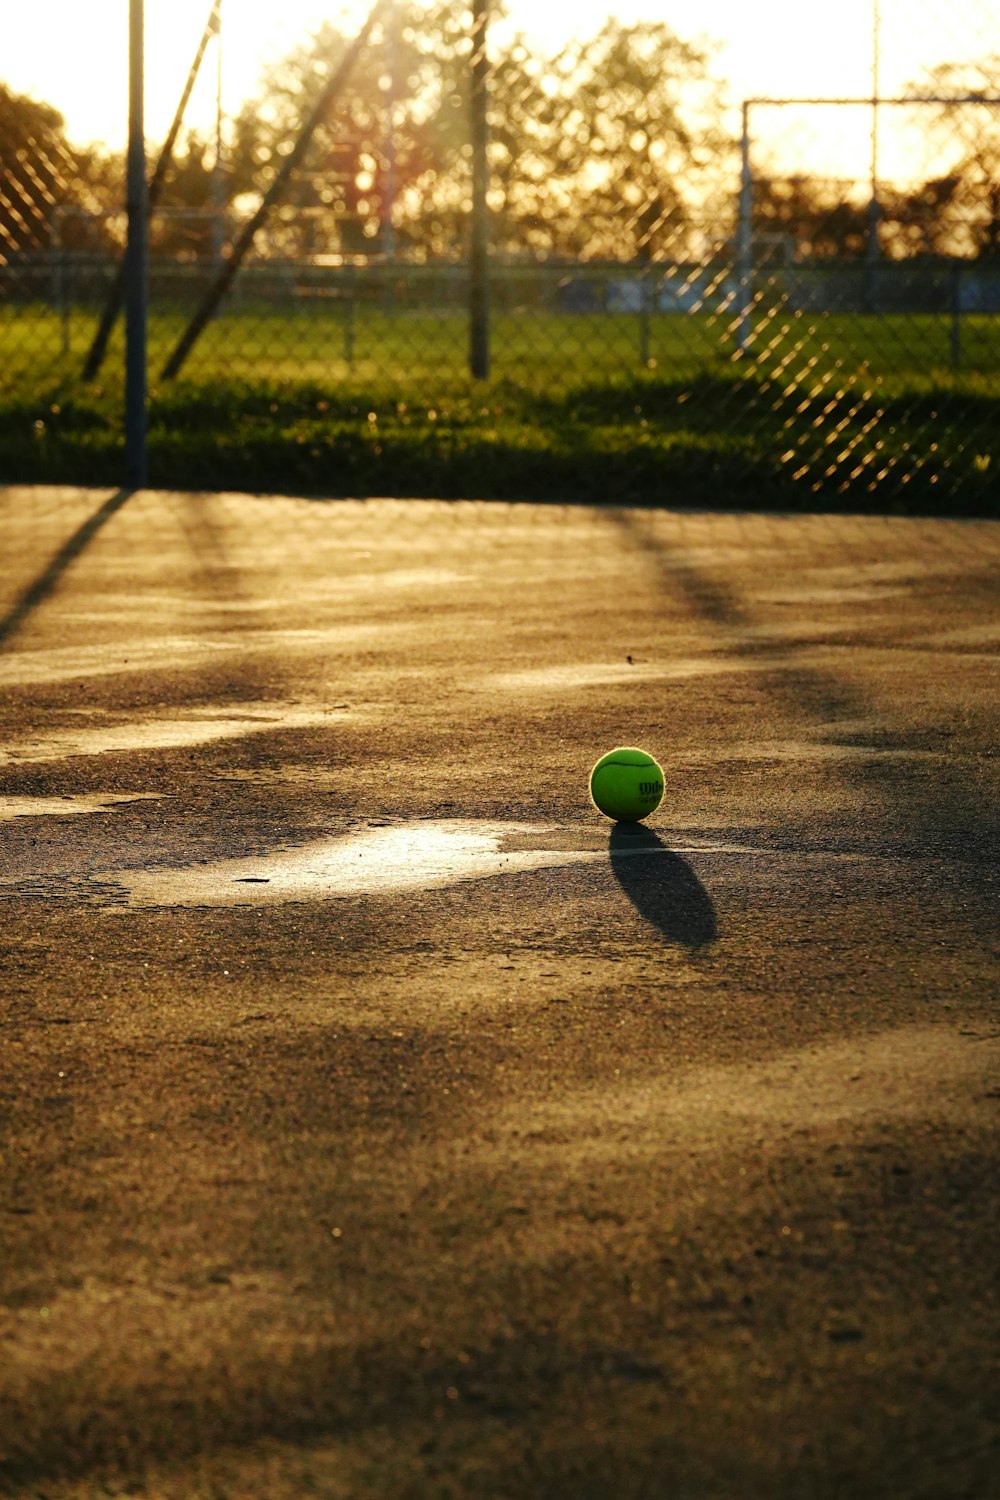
(74, 55)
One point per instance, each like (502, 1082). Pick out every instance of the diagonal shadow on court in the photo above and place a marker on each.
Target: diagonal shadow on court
(794, 681)
(661, 886)
(914, 810)
(48, 581)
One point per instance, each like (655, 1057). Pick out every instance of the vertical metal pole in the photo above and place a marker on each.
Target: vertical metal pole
(136, 260)
(349, 317)
(955, 298)
(479, 303)
(61, 268)
(645, 320)
(744, 238)
(218, 185)
(872, 248)
(388, 226)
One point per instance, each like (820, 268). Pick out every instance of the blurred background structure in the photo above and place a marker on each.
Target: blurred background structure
(484, 253)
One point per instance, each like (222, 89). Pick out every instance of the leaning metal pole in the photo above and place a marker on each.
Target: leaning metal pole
(227, 271)
(136, 260)
(116, 294)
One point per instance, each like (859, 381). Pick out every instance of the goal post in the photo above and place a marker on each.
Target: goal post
(747, 237)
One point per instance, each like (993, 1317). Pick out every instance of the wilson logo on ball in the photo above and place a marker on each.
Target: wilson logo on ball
(626, 784)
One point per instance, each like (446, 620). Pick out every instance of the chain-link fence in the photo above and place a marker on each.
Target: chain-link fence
(689, 296)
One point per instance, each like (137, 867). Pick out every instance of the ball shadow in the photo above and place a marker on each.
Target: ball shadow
(661, 886)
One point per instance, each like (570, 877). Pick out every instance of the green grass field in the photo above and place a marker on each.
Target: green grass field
(851, 411)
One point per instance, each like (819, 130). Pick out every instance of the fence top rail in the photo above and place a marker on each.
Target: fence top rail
(870, 99)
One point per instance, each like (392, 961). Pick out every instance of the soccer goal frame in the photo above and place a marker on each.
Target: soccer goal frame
(744, 247)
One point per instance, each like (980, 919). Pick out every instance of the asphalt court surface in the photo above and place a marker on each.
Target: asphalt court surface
(378, 1119)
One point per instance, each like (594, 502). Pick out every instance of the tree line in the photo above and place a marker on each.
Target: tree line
(616, 148)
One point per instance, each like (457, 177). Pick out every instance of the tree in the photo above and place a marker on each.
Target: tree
(613, 148)
(194, 197)
(957, 211)
(812, 215)
(398, 127)
(48, 187)
(920, 220)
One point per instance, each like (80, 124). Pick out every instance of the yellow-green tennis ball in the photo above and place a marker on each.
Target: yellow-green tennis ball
(626, 784)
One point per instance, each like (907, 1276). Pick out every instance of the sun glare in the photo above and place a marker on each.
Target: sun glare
(768, 49)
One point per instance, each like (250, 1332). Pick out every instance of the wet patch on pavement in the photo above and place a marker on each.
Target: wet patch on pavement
(376, 861)
(386, 860)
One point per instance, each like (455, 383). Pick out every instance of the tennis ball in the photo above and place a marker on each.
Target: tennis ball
(626, 784)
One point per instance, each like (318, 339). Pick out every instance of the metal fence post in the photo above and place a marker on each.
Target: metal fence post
(744, 238)
(645, 315)
(350, 313)
(479, 304)
(872, 252)
(136, 261)
(955, 301)
(60, 280)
